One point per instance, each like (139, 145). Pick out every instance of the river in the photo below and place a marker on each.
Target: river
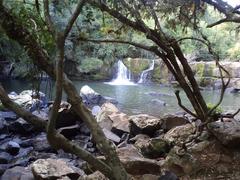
(134, 99)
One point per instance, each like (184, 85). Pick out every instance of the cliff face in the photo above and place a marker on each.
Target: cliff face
(206, 73)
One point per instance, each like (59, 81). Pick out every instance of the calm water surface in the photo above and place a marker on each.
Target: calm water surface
(136, 99)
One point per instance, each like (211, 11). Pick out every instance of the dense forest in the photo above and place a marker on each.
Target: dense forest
(106, 89)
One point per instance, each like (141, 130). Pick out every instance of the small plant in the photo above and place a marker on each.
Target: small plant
(218, 110)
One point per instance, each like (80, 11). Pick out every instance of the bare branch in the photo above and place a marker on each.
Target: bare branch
(47, 16)
(74, 17)
(224, 20)
(182, 106)
(148, 48)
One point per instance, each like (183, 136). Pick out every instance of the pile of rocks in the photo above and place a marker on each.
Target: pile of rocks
(149, 147)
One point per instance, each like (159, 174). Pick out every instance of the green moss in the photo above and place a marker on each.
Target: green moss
(160, 74)
(200, 69)
(136, 65)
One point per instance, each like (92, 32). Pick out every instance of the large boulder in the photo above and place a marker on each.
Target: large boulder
(135, 163)
(172, 121)
(5, 158)
(203, 159)
(180, 134)
(91, 98)
(12, 148)
(144, 124)
(29, 99)
(45, 169)
(120, 123)
(152, 148)
(227, 132)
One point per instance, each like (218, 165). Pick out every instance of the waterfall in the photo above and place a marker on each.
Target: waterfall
(145, 73)
(123, 75)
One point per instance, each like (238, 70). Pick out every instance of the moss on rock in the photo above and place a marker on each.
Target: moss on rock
(136, 65)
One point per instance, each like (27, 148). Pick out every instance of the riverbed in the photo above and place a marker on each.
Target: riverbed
(139, 98)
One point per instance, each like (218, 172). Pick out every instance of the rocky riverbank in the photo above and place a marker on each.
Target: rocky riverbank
(149, 147)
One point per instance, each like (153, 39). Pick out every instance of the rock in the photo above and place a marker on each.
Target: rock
(96, 110)
(168, 176)
(8, 115)
(139, 166)
(91, 98)
(67, 117)
(135, 163)
(30, 100)
(23, 157)
(95, 176)
(120, 123)
(3, 168)
(202, 157)
(12, 148)
(111, 136)
(40, 143)
(180, 133)
(53, 169)
(109, 108)
(103, 118)
(158, 102)
(129, 151)
(227, 132)
(172, 121)
(41, 113)
(146, 177)
(22, 127)
(152, 148)
(84, 130)
(18, 173)
(144, 124)
(5, 158)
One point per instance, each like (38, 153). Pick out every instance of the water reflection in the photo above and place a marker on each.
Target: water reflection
(138, 99)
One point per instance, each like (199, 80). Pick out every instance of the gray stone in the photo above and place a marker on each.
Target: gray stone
(144, 124)
(111, 136)
(13, 148)
(92, 98)
(18, 173)
(45, 169)
(227, 132)
(5, 158)
(158, 102)
(152, 148)
(172, 121)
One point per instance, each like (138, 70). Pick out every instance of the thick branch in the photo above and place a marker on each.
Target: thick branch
(74, 17)
(148, 48)
(182, 106)
(48, 19)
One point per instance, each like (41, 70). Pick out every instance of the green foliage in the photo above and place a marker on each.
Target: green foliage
(89, 65)
(218, 110)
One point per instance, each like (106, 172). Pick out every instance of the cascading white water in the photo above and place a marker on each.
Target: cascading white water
(144, 74)
(123, 75)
